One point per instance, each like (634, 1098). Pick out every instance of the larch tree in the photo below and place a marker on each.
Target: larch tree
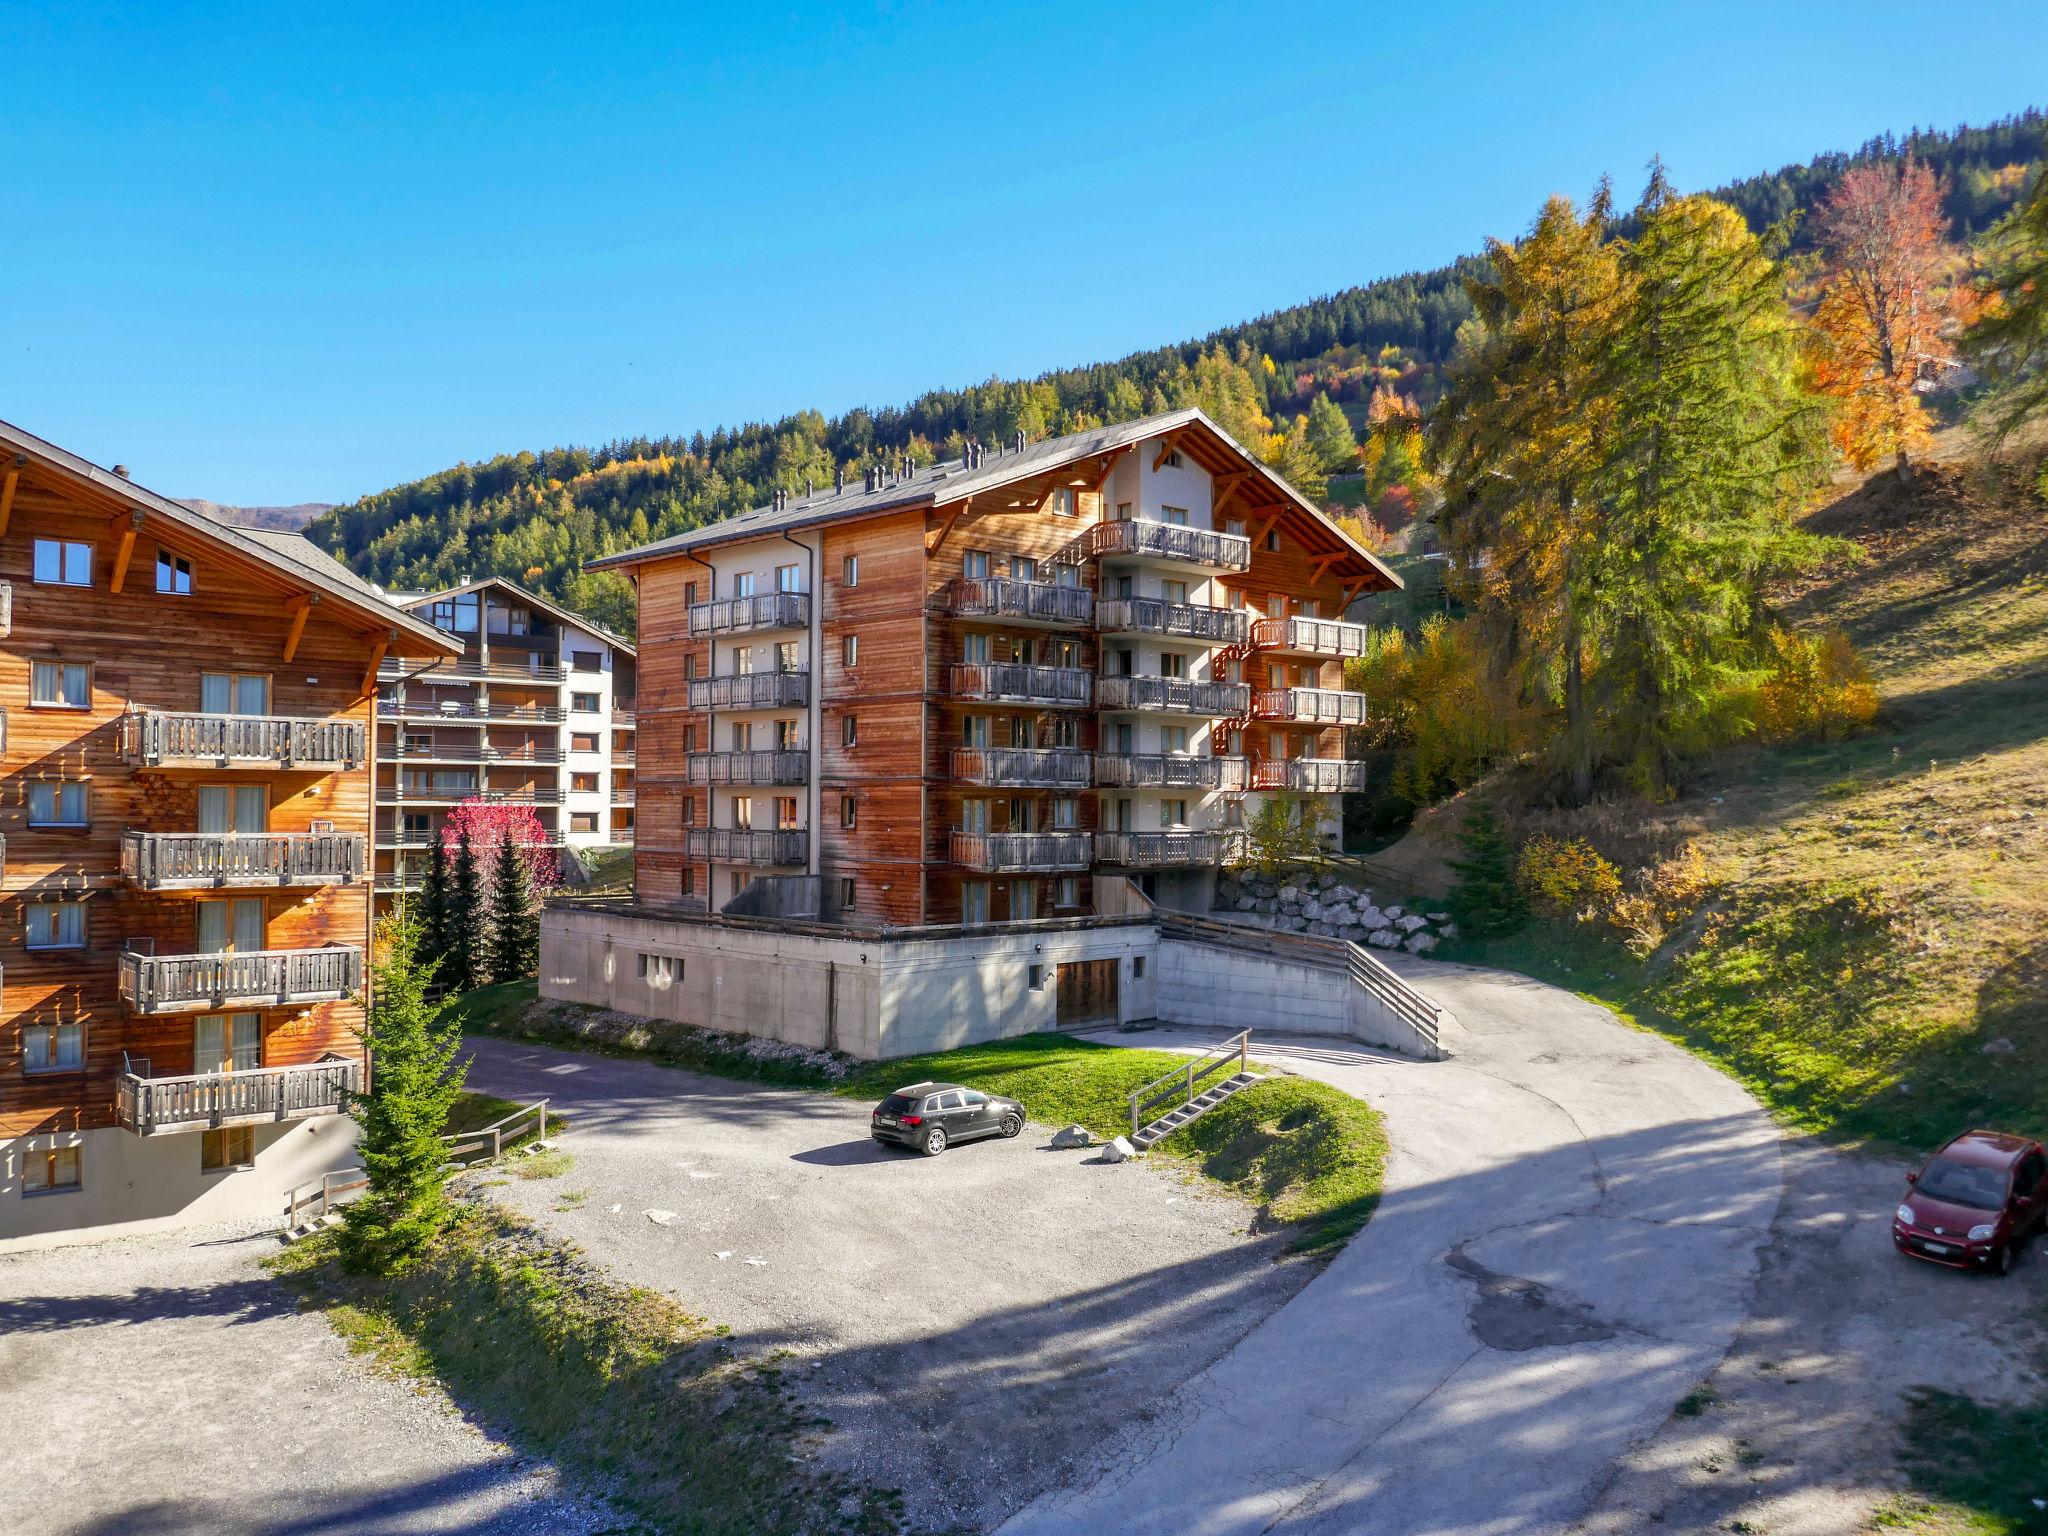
(2008, 341)
(1885, 309)
(1330, 435)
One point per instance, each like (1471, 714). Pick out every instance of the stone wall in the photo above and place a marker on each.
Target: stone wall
(1331, 908)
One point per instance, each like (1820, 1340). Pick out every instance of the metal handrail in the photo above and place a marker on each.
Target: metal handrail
(1180, 1083)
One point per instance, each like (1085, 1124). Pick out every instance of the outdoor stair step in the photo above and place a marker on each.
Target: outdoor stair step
(1186, 1114)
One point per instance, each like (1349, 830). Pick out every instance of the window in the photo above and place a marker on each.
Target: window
(1037, 978)
(1177, 516)
(687, 884)
(1066, 891)
(55, 925)
(63, 563)
(974, 901)
(743, 813)
(849, 651)
(974, 647)
(1172, 664)
(227, 1042)
(1234, 525)
(234, 693)
(56, 803)
(583, 821)
(1062, 502)
(1023, 568)
(689, 665)
(1171, 461)
(583, 783)
(1174, 738)
(785, 813)
(1123, 512)
(583, 741)
(510, 621)
(1276, 605)
(737, 882)
(585, 702)
(689, 594)
(660, 970)
(173, 574)
(1137, 967)
(46, 1170)
(849, 811)
(849, 571)
(60, 684)
(457, 615)
(1023, 900)
(789, 578)
(849, 731)
(52, 1047)
(1173, 813)
(224, 1150)
(974, 565)
(786, 657)
(743, 584)
(1273, 539)
(743, 661)
(848, 891)
(974, 730)
(234, 926)
(743, 736)
(587, 661)
(690, 736)
(1066, 814)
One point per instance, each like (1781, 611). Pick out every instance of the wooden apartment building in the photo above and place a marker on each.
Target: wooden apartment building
(956, 693)
(186, 710)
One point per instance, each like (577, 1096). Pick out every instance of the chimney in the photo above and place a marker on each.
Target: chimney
(839, 481)
(1020, 440)
(121, 470)
(807, 487)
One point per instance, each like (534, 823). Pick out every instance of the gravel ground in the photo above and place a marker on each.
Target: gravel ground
(973, 1325)
(167, 1386)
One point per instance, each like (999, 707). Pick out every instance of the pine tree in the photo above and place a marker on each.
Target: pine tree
(515, 938)
(1486, 899)
(413, 1083)
(1330, 435)
(2008, 343)
(468, 929)
(437, 906)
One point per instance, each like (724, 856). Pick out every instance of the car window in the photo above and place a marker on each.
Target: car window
(949, 1101)
(975, 1100)
(2030, 1173)
(1963, 1184)
(931, 1105)
(898, 1104)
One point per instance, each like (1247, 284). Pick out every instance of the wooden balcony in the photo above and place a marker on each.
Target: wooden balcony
(1173, 695)
(1173, 621)
(1311, 776)
(1309, 706)
(151, 1106)
(743, 615)
(1031, 602)
(521, 671)
(1168, 770)
(1309, 637)
(160, 739)
(1022, 852)
(1164, 850)
(1012, 682)
(1170, 542)
(197, 861)
(779, 765)
(469, 752)
(446, 710)
(743, 845)
(752, 690)
(1022, 767)
(264, 978)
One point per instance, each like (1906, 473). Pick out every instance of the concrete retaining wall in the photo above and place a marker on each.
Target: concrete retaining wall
(1208, 984)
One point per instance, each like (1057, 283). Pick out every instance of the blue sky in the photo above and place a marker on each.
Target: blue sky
(284, 253)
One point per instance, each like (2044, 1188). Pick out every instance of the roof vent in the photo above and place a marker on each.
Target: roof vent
(121, 470)
(839, 481)
(1020, 440)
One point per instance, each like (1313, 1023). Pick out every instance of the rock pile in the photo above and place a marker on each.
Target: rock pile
(1323, 905)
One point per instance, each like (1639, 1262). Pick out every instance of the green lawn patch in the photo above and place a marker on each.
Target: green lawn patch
(1976, 1467)
(627, 1393)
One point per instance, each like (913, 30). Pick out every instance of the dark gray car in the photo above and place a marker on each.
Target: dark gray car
(932, 1116)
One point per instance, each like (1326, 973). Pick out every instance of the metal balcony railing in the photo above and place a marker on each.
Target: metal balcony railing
(764, 610)
(264, 978)
(752, 690)
(1311, 775)
(1310, 637)
(1015, 682)
(150, 1106)
(1171, 541)
(774, 765)
(1164, 850)
(521, 671)
(1001, 852)
(394, 709)
(1310, 706)
(156, 738)
(1168, 770)
(744, 845)
(182, 861)
(1022, 767)
(1173, 621)
(1173, 695)
(471, 752)
(1000, 597)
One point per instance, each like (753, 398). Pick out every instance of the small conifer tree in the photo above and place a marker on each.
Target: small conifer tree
(467, 961)
(515, 941)
(1486, 899)
(437, 905)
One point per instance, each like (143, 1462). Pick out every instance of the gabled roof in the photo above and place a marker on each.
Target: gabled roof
(417, 600)
(953, 480)
(292, 557)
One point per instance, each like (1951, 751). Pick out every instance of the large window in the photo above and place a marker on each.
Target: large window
(55, 925)
(47, 1170)
(63, 563)
(227, 1042)
(974, 901)
(743, 584)
(173, 574)
(52, 1047)
(60, 684)
(234, 926)
(227, 1149)
(56, 803)
(974, 564)
(234, 808)
(584, 703)
(234, 693)
(789, 578)
(582, 741)
(457, 615)
(587, 661)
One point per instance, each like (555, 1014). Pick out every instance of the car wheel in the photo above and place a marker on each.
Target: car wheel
(934, 1141)
(1011, 1125)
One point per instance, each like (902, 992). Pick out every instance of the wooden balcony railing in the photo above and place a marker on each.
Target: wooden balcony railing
(156, 738)
(521, 671)
(150, 1106)
(395, 709)
(1022, 767)
(999, 597)
(183, 861)
(1310, 706)
(1168, 770)
(744, 845)
(1015, 682)
(470, 752)
(1173, 695)
(622, 797)
(1171, 541)
(764, 610)
(1000, 852)
(264, 978)
(1174, 621)
(1164, 850)
(1311, 775)
(1310, 637)
(752, 690)
(777, 765)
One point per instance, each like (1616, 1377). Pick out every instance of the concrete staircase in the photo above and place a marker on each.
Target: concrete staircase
(1193, 1110)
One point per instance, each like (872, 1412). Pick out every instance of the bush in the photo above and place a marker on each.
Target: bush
(1817, 687)
(1486, 900)
(1566, 877)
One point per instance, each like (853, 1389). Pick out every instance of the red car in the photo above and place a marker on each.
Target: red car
(1974, 1201)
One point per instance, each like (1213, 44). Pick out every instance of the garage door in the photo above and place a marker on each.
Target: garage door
(1087, 993)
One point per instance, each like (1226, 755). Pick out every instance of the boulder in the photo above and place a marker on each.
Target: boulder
(1410, 924)
(1419, 943)
(1322, 930)
(1119, 1150)
(1448, 931)
(1247, 904)
(1394, 913)
(1372, 917)
(1999, 1047)
(1268, 905)
(1292, 894)
(1384, 938)
(1438, 917)
(1073, 1136)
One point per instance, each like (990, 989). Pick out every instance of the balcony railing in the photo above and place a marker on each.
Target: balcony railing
(1310, 706)
(264, 978)
(1311, 776)
(999, 597)
(393, 709)
(150, 1106)
(743, 845)
(184, 861)
(425, 791)
(521, 671)
(999, 852)
(1173, 695)
(779, 765)
(1168, 770)
(1310, 637)
(1174, 621)
(765, 610)
(752, 690)
(155, 738)
(1015, 682)
(1164, 850)
(1022, 767)
(471, 752)
(1171, 541)
(622, 797)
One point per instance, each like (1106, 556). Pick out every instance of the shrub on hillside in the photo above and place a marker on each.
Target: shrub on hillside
(1817, 687)
(1566, 877)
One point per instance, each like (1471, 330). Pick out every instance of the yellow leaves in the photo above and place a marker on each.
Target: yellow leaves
(1565, 876)
(1817, 686)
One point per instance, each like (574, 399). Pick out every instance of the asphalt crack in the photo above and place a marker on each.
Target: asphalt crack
(1510, 1313)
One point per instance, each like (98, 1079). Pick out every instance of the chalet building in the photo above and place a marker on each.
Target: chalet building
(537, 710)
(186, 715)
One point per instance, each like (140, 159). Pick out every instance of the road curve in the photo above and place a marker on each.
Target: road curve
(1567, 1244)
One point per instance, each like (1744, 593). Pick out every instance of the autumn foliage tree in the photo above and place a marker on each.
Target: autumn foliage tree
(1886, 308)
